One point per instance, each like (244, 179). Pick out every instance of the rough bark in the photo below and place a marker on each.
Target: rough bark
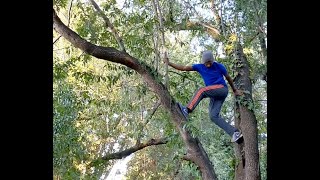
(246, 153)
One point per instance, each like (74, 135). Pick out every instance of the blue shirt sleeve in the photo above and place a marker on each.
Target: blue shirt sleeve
(195, 67)
(222, 69)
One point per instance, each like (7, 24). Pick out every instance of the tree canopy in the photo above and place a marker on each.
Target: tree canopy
(105, 111)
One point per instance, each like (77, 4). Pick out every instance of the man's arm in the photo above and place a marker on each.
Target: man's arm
(236, 91)
(179, 67)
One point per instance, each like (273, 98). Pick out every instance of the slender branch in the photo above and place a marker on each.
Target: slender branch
(127, 152)
(215, 13)
(156, 38)
(156, 51)
(69, 13)
(154, 109)
(109, 24)
(222, 24)
(192, 8)
(156, 2)
(251, 39)
(213, 31)
(219, 18)
(184, 76)
(260, 29)
(57, 39)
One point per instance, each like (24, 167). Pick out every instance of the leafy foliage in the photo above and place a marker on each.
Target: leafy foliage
(102, 108)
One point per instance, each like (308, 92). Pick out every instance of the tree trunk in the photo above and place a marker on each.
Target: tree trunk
(195, 151)
(247, 153)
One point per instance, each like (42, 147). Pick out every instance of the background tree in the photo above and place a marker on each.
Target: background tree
(103, 108)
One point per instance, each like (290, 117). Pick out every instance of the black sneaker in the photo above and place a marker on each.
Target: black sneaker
(237, 137)
(184, 110)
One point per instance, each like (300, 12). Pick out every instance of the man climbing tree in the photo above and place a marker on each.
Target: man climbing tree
(216, 89)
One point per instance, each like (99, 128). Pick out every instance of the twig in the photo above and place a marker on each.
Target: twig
(127, 152)
(157, 6)
(154, 109)
(184, 76)
(109, 24)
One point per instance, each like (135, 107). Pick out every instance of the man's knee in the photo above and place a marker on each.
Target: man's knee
(214, 116)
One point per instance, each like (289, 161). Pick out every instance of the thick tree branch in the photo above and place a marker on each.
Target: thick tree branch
(69, 15)
(127, 152)
(109, 24)
(107, 53)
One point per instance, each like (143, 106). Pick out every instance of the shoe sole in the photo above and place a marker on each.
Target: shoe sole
(241, 136)
(181, 109)
(240, 140)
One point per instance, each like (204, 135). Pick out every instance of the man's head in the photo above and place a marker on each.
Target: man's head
(207, 58)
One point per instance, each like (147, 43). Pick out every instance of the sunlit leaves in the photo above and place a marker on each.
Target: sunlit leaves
(101, 107)
(60, 3)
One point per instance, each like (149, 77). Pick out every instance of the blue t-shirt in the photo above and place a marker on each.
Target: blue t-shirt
(212, 75)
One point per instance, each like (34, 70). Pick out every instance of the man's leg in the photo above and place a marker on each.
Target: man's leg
(217, 97)
(200, 94)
